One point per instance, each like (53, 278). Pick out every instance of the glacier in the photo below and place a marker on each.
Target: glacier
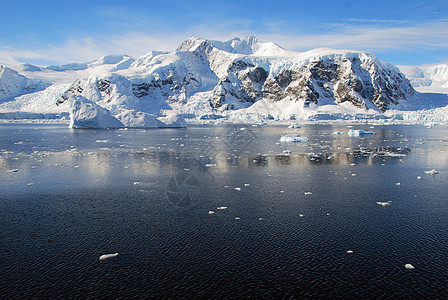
(242, 79)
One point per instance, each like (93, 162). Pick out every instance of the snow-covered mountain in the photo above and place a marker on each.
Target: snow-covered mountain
(205, 78)
(428, 78)
(12, 84)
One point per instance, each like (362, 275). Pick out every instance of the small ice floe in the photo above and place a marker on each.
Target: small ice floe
(287, 152)
(385, 204)
(355, 132)
(237, 189)
(221, 208)
(211, 212)
(409, 266)
(14, 171)
(419, 177)
(101, 141)
(308, 193)
(246, 184)
(295, 138)
(350, 251)
(107, 256)
(432, 172)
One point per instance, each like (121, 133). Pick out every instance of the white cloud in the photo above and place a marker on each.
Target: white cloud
(429, 35)
(432, 35)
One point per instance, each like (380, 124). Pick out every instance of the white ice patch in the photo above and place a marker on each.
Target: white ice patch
(293, 138)
(355, 132)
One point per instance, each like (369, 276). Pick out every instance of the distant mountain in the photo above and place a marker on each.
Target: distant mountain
(205, 78)
(12, 84)
(118, 62)
(428, 78)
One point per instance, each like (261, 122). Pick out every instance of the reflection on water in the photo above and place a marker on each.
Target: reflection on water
(223, 212)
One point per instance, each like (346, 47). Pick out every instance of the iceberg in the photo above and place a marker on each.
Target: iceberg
(355, 132)
(87, 114)
(432, 172)
(106, 256)
(293, 138)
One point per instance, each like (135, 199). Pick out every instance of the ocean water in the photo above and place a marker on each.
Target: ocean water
(286, 222)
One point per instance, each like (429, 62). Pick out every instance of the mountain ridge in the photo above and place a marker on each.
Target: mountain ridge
(219, 78)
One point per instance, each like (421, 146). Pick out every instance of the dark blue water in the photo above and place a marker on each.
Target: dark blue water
(69, 196)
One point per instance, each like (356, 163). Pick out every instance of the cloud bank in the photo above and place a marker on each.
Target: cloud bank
(367, 35)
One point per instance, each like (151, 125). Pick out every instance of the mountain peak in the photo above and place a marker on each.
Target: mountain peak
(249, 45)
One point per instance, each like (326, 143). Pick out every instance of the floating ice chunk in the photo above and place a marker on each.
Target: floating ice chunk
(350, 251)
(222, 208)
(106, 256)
(296, 138)
(355, 132)
(385, 204)
(211, 212)
(237, 189)
(409, 266)
(432, 172)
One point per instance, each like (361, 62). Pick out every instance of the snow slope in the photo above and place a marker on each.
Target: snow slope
(243, 78)
(12, 84)
(428, 78)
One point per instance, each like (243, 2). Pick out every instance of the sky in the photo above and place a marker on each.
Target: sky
(410, 32)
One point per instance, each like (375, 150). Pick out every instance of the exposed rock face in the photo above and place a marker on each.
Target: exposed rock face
(360, 80)
(237, 74)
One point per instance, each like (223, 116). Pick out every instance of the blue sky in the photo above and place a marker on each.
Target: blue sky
(402, 32)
